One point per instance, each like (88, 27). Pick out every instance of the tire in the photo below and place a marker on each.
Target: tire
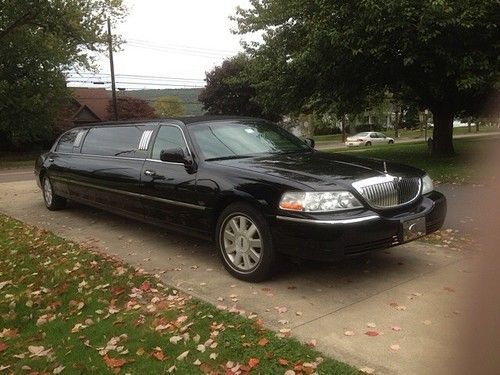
(248, 262)
(368, 144)
(391, 142)
(52, 201)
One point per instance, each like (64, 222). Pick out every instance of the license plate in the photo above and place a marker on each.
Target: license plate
(413, 228)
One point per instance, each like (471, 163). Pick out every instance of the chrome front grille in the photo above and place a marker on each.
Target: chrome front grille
(389, 191)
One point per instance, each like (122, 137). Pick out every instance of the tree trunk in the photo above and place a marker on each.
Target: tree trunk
(343, 129)
(442, 142)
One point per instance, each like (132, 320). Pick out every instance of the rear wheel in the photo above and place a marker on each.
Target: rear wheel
(244, 243)
(52, 201)
(368, 144)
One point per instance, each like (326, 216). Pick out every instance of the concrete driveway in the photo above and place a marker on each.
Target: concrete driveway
(409, 299)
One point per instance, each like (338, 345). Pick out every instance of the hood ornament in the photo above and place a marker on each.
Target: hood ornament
(385, 167)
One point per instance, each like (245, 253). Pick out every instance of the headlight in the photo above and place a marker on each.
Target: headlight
(427, 185)
(318, 201)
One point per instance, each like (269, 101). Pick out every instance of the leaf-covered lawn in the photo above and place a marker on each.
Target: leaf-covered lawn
(68, 309)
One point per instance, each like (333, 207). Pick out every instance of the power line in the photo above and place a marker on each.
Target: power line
(138, 76)
(119, 82)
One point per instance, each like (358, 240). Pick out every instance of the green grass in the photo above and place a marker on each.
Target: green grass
(69, 303)
(463, 167)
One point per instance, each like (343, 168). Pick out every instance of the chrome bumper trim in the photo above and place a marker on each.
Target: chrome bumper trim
(341, 221)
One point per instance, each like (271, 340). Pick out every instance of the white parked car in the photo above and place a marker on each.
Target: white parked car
(368, 139)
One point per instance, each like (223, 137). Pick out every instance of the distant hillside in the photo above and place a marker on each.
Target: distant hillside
(188, 96)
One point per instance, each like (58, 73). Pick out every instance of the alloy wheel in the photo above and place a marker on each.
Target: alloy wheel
(241, 242)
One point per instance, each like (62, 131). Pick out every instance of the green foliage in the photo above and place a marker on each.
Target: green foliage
(132, 109)
(189, 98)
(322, 54)
(229, 90)
(39, 41)
(168, 106)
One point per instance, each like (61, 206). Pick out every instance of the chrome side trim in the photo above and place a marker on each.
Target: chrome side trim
(341, 221)
(129, 193)
(164, 162)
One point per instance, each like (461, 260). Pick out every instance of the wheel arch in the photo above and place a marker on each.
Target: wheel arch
(227, 200)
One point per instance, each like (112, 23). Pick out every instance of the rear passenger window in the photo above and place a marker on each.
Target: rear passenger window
(113, 141)
(169, 137)
(67, 141)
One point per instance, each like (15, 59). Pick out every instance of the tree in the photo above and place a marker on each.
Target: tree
(442, 54)
(39, 41)
(168, 106)
(229, 91)
(132, 109)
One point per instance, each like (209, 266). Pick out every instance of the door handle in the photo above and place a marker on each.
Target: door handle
(147, 172)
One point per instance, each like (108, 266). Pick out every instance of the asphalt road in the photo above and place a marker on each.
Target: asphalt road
(333, 145)
(12, 175)
(407, 286)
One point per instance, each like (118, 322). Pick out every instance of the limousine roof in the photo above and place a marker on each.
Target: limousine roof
(185, 120)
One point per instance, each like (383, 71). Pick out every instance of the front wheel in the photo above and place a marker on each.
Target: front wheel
(52, 201)
(391, 142)
(244, 243)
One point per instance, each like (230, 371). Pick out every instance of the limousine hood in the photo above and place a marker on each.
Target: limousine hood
(320, 170)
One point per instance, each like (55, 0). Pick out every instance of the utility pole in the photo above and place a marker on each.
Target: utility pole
(112, 66)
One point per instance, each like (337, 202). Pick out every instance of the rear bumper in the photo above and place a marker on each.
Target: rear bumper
(330, 237)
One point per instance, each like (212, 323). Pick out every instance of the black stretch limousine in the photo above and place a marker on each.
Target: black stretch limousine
(254, 188)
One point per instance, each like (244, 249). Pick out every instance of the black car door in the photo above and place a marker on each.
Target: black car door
(106, 172)
(170, 188)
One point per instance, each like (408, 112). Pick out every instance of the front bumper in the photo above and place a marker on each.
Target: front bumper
(333, 236)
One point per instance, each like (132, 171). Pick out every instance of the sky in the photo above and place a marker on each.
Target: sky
(169, 44)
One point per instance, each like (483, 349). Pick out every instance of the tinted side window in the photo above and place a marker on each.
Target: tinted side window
(67, 141)
(113, 141)
(168, 137)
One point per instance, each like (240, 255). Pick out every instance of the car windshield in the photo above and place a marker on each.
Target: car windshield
(243, 138)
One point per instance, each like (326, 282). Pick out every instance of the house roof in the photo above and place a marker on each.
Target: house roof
(95, 99)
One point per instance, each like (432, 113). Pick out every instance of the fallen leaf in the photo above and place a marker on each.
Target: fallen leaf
(371, 325)
(367, 370)
(395, 347)
(113, 362)
(448, 289)
(289, 372)
(58, 369)
(252, 362)
(427, 322)
(158, 355)
(311, 343)
(145, 286)
(213, 356)
(349, 333)
(263, 341)
(3, 346)
(282, 362)
(396, 328)
(371, 333)
(183, 355)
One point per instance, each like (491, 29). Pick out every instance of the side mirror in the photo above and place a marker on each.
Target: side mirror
(310, 142)
(173, 155)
